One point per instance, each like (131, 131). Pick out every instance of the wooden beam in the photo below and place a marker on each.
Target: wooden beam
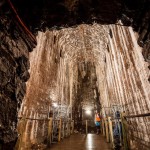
(50, 126)
(72, 127)
(86, 126)
(59, 131)
(125, 132)
(107, 130)
(111, 131)
(103, 127)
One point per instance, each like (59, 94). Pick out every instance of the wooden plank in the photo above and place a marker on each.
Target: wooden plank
(125, 132)
(111, 131)
(50, 125)
(67, 129)
(22, 127)
(86, 126)
(107, 130)
(69, 125)
(103, 127)
(72, 127)
(63, 128)
(59, 132)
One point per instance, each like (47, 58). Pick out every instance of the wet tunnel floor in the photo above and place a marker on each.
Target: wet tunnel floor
(82, 142)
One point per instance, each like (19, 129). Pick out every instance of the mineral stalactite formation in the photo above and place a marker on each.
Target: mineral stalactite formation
(69, 65)
(60, 58)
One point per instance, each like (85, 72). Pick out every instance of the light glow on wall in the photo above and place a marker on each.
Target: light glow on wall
(55, 104)
(88, 112)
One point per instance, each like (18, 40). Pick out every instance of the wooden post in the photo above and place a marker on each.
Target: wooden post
(120, 132)
(22, 126)
(63, 128)
(72, 126)
(49, 137)
(103, 127)
(125, 132)
(67, 133)
(66, 126)
(107, 130)
(69, 125)
(53, 124)
(59, 132)
(111, 131)
(86, 125)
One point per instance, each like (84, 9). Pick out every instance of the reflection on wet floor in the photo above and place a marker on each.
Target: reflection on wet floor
(82, 142)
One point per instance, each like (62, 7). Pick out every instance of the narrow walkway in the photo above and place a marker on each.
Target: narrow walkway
(82, 142)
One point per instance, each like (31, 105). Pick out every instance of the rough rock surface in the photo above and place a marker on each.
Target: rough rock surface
(14, 64)
(39, 15)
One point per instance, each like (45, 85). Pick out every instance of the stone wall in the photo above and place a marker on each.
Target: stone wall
(15, 45)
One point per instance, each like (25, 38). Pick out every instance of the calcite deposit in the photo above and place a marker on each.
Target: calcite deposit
(70, 65)
(90, 54)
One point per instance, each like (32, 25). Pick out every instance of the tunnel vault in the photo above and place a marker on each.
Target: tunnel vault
(77, 67)
(91, 37)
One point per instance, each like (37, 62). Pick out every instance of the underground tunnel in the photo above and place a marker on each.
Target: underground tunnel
(64, 61)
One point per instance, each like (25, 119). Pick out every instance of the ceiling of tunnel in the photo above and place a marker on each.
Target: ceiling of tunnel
(64, 59)
(85, 43)
(70, 12)
(40, 14)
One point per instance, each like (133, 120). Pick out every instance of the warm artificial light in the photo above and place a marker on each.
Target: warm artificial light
(55, 104)
(88, 112)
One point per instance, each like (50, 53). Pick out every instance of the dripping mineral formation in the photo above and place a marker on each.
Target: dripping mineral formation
(62, 58)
